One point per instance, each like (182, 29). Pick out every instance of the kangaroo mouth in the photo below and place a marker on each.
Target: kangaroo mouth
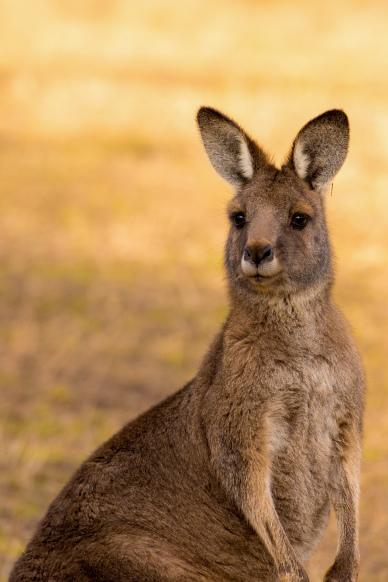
(262, 275)
(260, 279)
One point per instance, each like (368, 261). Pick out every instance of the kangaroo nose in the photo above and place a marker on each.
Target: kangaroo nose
(258, 254)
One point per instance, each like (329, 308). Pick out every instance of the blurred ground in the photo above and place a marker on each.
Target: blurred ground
(112, 221)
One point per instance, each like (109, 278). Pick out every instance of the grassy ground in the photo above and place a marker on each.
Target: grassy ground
(112, 222)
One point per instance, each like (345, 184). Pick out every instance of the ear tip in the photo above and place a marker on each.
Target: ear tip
(337, 117)
(340, 115)
(206, 113)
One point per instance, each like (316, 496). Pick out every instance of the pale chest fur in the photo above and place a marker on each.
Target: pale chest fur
(301, 404)
(303, 427)
(298, 382)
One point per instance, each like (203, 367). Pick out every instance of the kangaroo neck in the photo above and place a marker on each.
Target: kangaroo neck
(288, 325)
(280, 317)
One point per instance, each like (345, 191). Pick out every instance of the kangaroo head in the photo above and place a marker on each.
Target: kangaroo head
(278, 241)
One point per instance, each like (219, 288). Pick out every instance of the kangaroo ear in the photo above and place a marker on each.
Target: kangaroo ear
(320, 149)
(233, 154)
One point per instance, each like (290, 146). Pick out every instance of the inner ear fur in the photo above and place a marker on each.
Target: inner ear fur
(232, 153)
(320, 149)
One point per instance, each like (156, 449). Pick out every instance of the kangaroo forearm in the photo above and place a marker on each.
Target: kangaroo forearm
(254, 498)
(345, 500)
(260, 511)
(345, 496)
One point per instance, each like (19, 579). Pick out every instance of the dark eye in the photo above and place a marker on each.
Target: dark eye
(299, 220)
(238, 219)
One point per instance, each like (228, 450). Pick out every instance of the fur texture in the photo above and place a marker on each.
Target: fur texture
(232, 477)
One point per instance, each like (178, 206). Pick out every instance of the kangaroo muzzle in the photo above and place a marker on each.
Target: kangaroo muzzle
(259, 259)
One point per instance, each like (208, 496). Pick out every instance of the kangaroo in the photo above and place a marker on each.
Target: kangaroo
(232, 477)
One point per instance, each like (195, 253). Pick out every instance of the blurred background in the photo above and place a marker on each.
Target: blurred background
(112, 221)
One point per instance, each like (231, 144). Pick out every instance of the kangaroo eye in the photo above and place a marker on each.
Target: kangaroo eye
(299, 220)
(238, 219)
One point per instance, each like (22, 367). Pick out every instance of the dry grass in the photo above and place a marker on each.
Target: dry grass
(112, 222)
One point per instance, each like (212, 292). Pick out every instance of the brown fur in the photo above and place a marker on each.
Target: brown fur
(232, 477)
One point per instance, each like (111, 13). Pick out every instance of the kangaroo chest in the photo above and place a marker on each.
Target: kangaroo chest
(296, 389)
(303, 403)
(303, 428)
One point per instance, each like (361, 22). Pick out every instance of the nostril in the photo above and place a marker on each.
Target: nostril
(267, 254)
(247, 254)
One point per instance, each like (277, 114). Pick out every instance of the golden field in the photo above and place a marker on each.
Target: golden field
(112, 221)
